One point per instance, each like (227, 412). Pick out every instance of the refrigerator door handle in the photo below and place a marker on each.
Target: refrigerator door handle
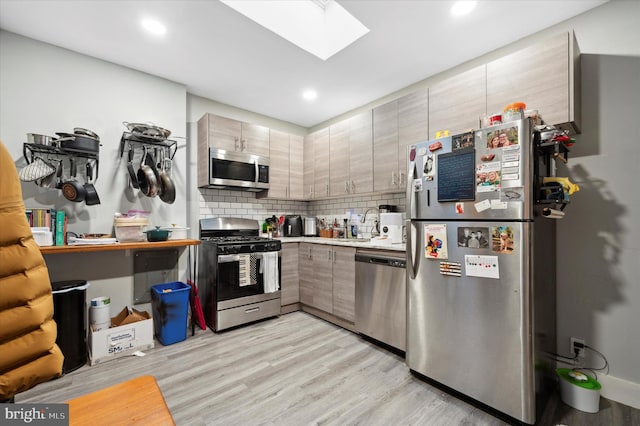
(412, 253)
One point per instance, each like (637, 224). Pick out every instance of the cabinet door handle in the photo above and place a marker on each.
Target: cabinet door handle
(236, 140)
(393, 179)
(346, 186)
(353, 187)
(244, 144)
(329, 253)
(401, 178)
(327, 189)
(334, 256)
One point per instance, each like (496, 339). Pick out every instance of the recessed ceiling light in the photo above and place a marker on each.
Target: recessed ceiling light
(154, 27)
(321, 27)
(462, 7)
(309, 94)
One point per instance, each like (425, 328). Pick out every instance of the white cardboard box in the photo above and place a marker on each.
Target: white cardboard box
(116, 342)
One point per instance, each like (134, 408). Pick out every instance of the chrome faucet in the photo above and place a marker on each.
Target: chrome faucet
(375, 231)
(364, 216)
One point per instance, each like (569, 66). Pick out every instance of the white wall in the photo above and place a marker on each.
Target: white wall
(46, 89)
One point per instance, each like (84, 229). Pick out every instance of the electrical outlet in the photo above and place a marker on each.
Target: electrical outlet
(577, 344)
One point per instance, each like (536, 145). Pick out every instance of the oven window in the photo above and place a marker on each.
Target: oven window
(241, 278)
(235, 170)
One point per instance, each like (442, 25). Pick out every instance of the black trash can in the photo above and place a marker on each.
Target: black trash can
(70, 314)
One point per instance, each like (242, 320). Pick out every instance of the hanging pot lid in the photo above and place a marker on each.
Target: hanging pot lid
(148, 129)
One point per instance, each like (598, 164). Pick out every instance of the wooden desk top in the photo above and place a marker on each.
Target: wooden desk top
(137, 401)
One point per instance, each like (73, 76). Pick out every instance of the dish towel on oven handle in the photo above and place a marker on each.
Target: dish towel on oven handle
(269, 270)
(244, 271)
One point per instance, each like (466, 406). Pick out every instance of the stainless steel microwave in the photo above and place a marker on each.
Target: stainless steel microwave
(238, 170)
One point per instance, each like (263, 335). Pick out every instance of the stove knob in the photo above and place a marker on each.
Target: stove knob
(252, 247)
(273, 246)
(222, 250)
(234, 249)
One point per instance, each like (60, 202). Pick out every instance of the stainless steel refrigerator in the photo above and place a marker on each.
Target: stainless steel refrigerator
(481, 266)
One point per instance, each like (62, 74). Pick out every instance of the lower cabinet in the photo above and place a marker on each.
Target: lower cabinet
(327, 279)
(290, 277)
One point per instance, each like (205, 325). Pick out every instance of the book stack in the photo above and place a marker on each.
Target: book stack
(55, 220)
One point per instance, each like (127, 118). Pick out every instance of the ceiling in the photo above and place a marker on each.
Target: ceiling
(221, 55)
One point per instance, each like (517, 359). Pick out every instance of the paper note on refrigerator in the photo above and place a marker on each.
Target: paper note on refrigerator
(481, 266)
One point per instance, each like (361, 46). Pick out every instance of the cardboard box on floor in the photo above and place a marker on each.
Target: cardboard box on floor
(129, 332)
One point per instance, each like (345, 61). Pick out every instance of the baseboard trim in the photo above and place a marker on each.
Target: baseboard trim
(620, 390)
(328, 317)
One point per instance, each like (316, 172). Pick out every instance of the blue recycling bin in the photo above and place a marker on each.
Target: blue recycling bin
(170, 305)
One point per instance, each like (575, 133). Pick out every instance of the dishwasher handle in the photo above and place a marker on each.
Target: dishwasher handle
(396, 262)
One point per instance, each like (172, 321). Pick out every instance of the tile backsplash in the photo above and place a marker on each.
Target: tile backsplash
(217, 202)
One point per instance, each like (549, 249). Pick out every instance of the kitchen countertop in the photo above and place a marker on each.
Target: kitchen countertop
(358, 243)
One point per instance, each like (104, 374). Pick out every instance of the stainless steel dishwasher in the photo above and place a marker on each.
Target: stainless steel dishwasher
(381, 302)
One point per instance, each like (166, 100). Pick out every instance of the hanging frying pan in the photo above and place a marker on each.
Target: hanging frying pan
(133, 178)
(91, 195)
(72, 189)
(168, 194)
(147, 179)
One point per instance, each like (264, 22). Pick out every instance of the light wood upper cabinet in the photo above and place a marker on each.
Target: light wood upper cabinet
(361, 153)
(233, 135)
(457, 103)
(385, 147)
(351, 155)
(224, 133)
(230, 135)
(278, 164)
(545, 76)
(344, 279)
(255, 139)
(308, 179)
(289, 283)
(296, 167)
(321, 155)
(285, 167)
(413, 127)
(396, 125)
(339, 158)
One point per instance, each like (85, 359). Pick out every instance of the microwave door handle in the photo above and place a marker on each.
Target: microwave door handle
(257, 167)
(228, 258)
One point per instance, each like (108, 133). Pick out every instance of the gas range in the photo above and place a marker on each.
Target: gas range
(236, 235)
(239, 275)
(232, 245)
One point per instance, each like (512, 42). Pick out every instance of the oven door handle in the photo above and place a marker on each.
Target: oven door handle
(228, 258)
(261, 254)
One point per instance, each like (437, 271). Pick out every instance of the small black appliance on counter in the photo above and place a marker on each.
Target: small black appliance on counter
(292, 226)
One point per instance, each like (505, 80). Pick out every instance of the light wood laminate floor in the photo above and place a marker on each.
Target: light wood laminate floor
(294, 370)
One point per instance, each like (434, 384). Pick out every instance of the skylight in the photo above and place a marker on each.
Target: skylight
(321, 27)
